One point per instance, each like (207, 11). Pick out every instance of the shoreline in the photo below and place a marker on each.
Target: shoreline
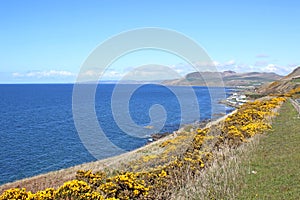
(12, 175)
(60, 176)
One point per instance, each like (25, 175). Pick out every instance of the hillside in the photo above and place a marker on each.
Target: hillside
(276, 177)
(163, 169)
(230, 78)
(284, 85)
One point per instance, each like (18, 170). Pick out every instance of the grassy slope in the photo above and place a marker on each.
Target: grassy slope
(57, 178)
(267, 167)
(274, 165)
(274, 156)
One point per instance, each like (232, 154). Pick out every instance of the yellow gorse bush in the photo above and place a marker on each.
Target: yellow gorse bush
(293, 92)
(47, 194)
(251, 119)
(124, 186)
(94, 179)
(187, 154)
(15, 193)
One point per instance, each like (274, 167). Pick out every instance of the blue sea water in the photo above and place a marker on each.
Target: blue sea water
(38, 135)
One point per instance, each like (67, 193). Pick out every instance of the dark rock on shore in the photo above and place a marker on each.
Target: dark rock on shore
(157, 136)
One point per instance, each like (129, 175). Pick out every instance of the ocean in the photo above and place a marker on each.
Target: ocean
(38, 133)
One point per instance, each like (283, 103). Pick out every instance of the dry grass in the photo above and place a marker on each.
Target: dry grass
(223, 178)
(116, 163)
(125, 161)
(245, 173)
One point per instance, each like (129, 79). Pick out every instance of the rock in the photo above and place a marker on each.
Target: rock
(157, 136)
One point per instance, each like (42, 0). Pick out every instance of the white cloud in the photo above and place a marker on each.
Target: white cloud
(230, 63)
(94, 74)
(113, 75)
(43, 74)
(205, 65)
(141, 73)
(261, 63)
(270, 68)
(282, 70)
(278, 69)
(90, 73)
(258, 66)
(16, 74)
(216, 63)
(182, 68)
(152, 72)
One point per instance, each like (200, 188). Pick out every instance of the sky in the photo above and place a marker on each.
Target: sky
(48, 41)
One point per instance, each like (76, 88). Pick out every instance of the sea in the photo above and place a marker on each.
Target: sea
(38, 133)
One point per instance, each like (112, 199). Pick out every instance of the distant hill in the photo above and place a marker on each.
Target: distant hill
(284, 85)
(230, 78)
(294, 75)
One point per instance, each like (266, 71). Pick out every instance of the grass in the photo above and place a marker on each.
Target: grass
(267, 167)
(223, 179)
(296, 80)
(57, 178)
(274, 166)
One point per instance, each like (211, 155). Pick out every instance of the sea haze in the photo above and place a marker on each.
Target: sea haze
(37, 131)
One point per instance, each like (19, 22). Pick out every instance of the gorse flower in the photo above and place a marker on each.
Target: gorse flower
(189, 152)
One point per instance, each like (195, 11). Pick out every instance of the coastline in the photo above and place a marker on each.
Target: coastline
(29, 162)
(58, 177)
(182, 159)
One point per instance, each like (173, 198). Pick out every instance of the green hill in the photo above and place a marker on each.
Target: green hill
(230, 78)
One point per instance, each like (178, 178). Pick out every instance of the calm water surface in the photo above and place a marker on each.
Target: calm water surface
(38, 135)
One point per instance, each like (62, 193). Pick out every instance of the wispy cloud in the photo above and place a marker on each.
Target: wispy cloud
(94, 74)
(258, 66)
(141, 73)
(278, 69)
(262, 55)
(43, 74)
(182, 68)
(228, 65)
(261, 63)
(282, 70)
(152, 72)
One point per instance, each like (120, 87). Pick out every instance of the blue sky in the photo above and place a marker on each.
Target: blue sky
(47, 41)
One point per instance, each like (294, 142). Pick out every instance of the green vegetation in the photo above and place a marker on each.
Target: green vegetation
(296, 80)
(266, 167)
(274, 165)
(254, 95)
(229, 159)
